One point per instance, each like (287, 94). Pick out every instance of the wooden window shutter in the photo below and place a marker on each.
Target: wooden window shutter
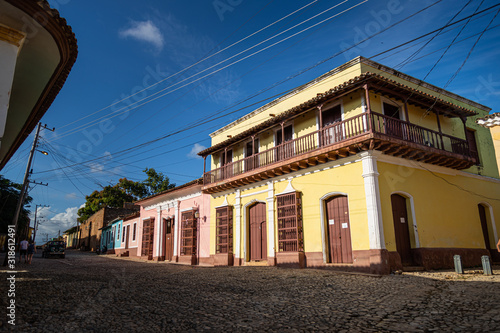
(290, 232)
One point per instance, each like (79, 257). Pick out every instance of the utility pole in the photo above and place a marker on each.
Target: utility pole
(25, 181)
(35, 224)
(24, 188)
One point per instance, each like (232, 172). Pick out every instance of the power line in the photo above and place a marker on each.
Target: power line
(284, 80)
(149, 99)
(201, 60)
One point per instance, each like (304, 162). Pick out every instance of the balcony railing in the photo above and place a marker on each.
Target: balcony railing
(337, 133)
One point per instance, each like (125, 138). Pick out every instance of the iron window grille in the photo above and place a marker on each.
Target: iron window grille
(188, 233)
(290, 230)
(224, 228)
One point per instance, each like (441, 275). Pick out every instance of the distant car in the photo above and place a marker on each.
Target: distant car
(54, 248)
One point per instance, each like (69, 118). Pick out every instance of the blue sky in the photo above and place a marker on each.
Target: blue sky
(138, 77)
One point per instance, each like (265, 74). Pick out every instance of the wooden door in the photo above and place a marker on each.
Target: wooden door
(329, 117)
(471, 138)
(339, 229)
(393, 127)
(286, 150)
(401, 228)
(127, 236)
(169, 239)
(258, 237)
(484, 225)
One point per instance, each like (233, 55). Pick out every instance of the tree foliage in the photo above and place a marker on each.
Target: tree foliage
(9, 196)
(124, 191)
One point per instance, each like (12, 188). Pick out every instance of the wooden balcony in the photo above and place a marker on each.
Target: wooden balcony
(363, 132)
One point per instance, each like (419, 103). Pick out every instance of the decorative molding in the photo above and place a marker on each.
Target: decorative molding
(171, 202)
(289, 188)
(270, 217)
(11, 36)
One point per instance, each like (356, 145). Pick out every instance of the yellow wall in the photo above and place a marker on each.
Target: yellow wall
(495, 133)
(447, 216)
(345, 179)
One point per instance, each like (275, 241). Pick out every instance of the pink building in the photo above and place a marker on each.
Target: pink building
(129, 236)
(175, 225)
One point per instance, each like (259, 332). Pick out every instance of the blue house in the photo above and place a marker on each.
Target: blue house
(111, 236)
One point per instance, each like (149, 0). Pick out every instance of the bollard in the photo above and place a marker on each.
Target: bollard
(458, 264)
(485, 260)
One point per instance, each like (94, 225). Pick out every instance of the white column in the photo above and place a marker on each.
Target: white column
(270, 219)
(238, 222)
(176, 229)
(10, 44)
(372, 194)
(159, 233)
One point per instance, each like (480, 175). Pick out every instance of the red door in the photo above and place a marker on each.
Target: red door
(169, 239)
(258, 238)
(339, 229)
(401, 228)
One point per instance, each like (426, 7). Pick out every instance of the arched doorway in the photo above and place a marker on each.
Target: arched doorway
(338, 229)
(401, 229)
(257, 231)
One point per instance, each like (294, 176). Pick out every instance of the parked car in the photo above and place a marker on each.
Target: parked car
(54, 248)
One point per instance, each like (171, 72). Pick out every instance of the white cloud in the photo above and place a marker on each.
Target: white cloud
(195, 150)
(144, 31)
(50, 227)
(71, 196)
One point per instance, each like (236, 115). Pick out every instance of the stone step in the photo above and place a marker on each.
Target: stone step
(256, 263)
(413, 269)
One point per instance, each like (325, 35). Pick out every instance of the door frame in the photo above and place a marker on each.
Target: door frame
(411, 214)
(491, 220)
(324, 233)
(246, 228)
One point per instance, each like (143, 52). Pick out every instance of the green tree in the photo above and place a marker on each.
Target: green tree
(124, 191)
(9, 196)
(155, 183)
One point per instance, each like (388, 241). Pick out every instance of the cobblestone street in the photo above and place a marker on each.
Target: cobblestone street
(90, 293)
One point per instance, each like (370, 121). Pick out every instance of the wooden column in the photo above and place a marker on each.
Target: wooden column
(320, 133)
(464, 121)
(204, 164)
(406, 112)
(253, 151)
(439, 129)
(368, 106)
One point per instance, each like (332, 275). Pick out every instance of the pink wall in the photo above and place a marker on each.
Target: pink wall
(200, 201)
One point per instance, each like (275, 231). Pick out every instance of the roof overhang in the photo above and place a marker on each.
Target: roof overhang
(172, 193)
(490, 120)
(43, 63)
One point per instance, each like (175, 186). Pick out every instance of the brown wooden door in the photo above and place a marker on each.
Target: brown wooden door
(258, 238)
(471, 138)
(286, 150)
(484, 225)
(169, 239)
(401, 228)
(339, 229)
(127, 236)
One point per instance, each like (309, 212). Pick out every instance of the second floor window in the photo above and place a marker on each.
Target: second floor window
(226, 157)
(134, 231)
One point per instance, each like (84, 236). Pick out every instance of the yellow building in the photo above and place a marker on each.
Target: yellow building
(492, 121)
(364, 168)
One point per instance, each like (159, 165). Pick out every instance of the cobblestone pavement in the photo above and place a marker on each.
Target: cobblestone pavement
(90, 293)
